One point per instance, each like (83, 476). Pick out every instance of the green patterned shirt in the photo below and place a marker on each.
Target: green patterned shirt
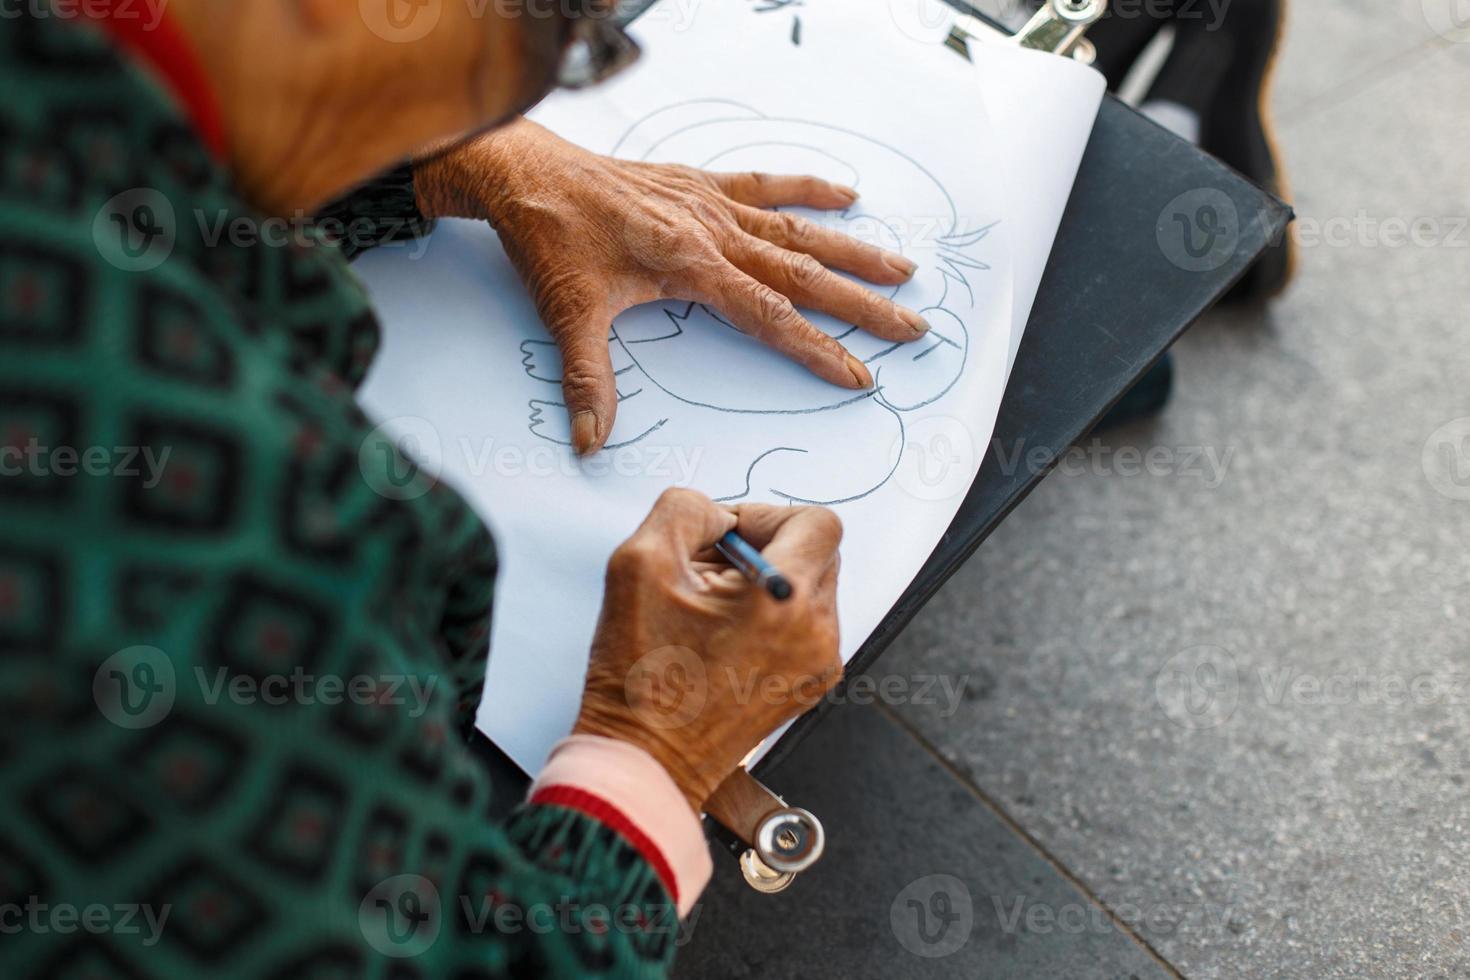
(241, 637)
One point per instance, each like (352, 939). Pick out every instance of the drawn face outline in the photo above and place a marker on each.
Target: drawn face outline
(668, 370)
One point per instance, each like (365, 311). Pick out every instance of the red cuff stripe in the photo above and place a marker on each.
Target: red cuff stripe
(167, 49)
(599, 809)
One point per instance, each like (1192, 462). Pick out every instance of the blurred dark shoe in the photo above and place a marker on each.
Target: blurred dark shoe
(1220, 70)
(1145, 399)
(1120, 38)
(1236, 127)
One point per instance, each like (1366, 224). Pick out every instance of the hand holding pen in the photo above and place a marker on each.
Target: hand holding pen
(697, 659)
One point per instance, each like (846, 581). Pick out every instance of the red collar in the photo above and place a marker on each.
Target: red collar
(166, 50)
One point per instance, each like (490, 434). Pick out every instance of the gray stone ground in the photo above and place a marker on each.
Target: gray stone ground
(1235, 704)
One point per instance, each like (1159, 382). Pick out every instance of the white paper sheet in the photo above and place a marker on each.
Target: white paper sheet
(467, 376)
(1041, 109)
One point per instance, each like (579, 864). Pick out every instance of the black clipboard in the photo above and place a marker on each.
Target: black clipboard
(1112, 300)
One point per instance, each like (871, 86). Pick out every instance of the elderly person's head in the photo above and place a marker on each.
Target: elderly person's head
(321, 94)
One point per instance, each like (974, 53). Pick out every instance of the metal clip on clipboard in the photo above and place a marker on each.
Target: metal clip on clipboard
(782, 841)
(1057, 27)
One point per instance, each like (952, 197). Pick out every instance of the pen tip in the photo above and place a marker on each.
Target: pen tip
(779, 587)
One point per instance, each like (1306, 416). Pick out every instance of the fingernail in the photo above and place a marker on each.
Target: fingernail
(848, 192)
(918, 324)
(585, 432)
(900, 265)
(859, 372)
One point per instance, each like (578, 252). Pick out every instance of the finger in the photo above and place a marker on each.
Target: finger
(774, 190)
(725, 581)
(587, 380)
(758, 310)
(688, 521)
(702, 567)
(809, 284)
(827, 245)
(712, 557)
(826, 591)
(801, 542)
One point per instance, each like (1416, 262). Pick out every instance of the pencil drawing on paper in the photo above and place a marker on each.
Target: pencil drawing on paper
(785, 434)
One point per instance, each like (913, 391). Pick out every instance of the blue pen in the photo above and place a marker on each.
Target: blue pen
(753, 565)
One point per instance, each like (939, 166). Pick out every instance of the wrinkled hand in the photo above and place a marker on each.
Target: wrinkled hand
(593, 236)
(692, 662)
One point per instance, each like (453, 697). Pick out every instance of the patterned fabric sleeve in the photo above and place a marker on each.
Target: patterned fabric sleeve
(382, 211)
(625, 788)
